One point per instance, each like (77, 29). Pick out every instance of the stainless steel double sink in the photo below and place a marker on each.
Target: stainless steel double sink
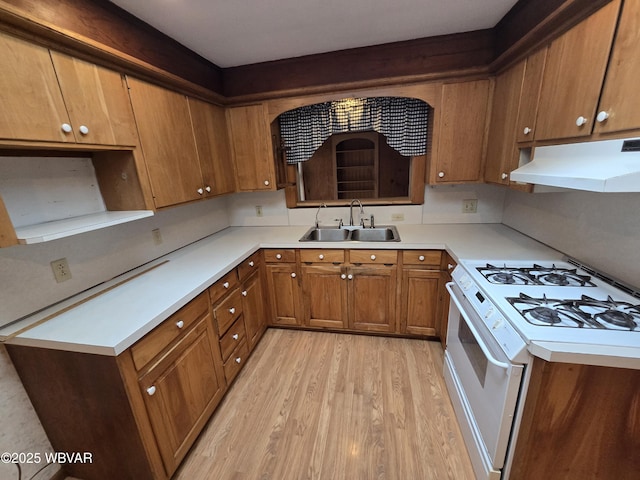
(387, 233)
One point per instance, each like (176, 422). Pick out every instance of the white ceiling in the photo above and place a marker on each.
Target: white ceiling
(241, 32)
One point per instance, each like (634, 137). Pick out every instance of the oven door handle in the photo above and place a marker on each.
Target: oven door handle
(475, 333)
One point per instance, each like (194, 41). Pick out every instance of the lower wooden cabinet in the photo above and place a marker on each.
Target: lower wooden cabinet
(372, 298)
(283, 284)
(325, 296)
(182, 391)
(420, 299)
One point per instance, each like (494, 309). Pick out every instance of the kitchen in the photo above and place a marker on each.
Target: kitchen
(600, 229)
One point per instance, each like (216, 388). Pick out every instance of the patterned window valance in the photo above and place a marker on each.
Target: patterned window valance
(403, 121)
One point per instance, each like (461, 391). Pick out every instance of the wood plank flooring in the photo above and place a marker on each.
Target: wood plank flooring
(315, 405)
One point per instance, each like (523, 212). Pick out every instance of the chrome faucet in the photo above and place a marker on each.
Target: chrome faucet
(351, 212)
(321, 205)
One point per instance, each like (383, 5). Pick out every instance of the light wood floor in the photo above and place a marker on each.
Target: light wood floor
(311, 405)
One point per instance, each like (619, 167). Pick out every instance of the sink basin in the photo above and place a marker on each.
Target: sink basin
(325, 235)
(377, 234)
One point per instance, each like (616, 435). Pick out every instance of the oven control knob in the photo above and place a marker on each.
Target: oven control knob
(497, 324)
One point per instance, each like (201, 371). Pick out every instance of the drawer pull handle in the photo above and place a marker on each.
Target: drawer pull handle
(293, 275)
(251, 263)
(278, 256)
(151, 390)
(244, 293)
(235, 336)
(321, 257)
(179, 324)
(225, 284)
(232, 310)
(421, 258)
(373, 257)
(238, 360)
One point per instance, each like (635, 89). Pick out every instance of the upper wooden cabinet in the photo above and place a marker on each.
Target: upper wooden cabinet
(51, 97)
(252, 148)
(502, 154)
(461, 134)
(185, 144)
(212, 143)
(530, 95)
(575, 68)
(618, 109)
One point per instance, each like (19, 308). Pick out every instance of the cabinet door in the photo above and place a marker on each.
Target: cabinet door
(372, 298)
(421, 294)
(324, 296)
(530, 96)
(461, 136)
(621, 85)
(182, 392)
(254, 307)
(284, 294)
(166, 136)
(212, 142)
(251, 142)
(502, 152)
(97, 101)
(573, 76)
(32, 104)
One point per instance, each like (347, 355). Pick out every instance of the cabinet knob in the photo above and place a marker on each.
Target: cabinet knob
(350, 277)
(441, 174)
(225, 284)
(278, 256)
(504, 176)
(83, 129)
(526, 130)
(179, 324)
(421, 258)
(66, 128)
(321, 257)
(235, 336)
(343, 276)
(449, 266)
(580, 121)
(208, 189)
(267, 183)
(200, 191)
(151, 390)
(238, 359)
(293, 275)
(251, 264)
(373, 257)
(602, 116)
(244, 293)
(232, 310)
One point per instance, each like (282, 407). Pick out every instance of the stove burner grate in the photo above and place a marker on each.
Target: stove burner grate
(535, 275)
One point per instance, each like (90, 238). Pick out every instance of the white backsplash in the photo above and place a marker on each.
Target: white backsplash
(601, 230)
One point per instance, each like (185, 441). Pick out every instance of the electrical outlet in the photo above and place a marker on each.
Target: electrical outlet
(397, 217)
(258, 210)
(470, 206)
(61, 270)
(157, 236)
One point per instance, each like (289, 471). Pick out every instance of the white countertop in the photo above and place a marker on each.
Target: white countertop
(112, 321)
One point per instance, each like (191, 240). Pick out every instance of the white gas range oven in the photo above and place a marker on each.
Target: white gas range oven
(500, 312)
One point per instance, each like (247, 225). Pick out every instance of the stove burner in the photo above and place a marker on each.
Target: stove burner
(544, 314)
(622, 315)
(536, 275)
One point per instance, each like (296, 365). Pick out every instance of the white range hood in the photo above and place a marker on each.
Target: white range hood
(602, 166)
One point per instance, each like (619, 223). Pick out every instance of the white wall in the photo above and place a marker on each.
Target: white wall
(601, 230)
(443, 204)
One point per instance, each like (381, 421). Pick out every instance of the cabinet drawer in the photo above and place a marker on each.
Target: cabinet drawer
(279, 255)
(234, 336)
(165, 333)
(223, 286)
(322, 256)
(249, 266)
(227, 311)
(373, 256)
(236, 361)
(422, 257)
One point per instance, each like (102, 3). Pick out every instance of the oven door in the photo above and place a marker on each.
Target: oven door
(483, 385)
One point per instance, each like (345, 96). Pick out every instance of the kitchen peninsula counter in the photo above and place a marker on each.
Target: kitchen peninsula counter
(112, 316)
